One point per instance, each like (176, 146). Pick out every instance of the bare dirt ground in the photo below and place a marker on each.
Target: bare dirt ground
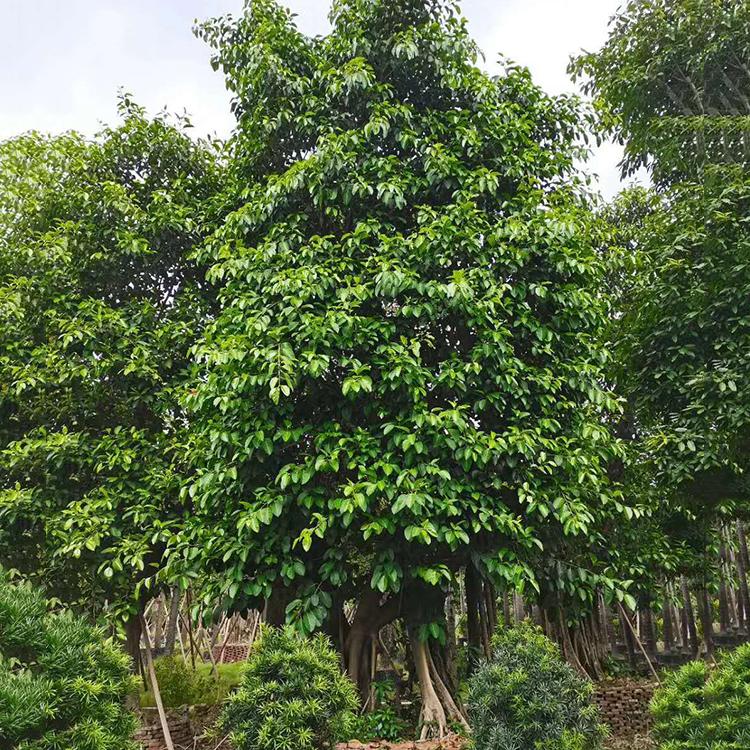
(454, 742)
(638, 742)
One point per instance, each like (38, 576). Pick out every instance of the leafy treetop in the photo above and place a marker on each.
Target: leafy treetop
(672, 83)
(406, 369)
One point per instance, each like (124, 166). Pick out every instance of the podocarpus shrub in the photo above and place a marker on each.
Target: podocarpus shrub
(701, 707)
(526, 697)
(292, 695)
(63, 684)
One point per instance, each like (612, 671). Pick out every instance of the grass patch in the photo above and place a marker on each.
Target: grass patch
(180, 685)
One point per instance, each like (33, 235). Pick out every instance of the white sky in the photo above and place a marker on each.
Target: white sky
(62, 61)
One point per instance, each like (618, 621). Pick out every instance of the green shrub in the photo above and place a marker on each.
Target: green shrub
(63, 685)
(182, 685)
(527, 698)
(700, 707)
(292, 695)
(382, 723)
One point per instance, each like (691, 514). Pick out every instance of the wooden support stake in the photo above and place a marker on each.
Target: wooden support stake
(155, 686)
(625, 617)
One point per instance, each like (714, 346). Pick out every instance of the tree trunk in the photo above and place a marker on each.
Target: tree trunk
(369, 618)
(629, 638)
(170, 635)
(451, 645)
(668, 635)
(742, 566)
(724, 617)
(432, 718)
(490, 597)
(133, 641)
(704, 610)
(567, 644)
(484, 622)
(473, 625)
(689, 616)
(453, 710)
(606, 625)
(648, 634)
(274, 612)
(157, 618)
(506, 609)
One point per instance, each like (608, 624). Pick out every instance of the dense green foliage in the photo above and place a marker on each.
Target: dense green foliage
(63, 685)
(99, 303)
(180, 684)
(671, 83)
(406, 370)
(686, 334)
(292, 696)
(379, 357)
(701, 707)
(527, 697)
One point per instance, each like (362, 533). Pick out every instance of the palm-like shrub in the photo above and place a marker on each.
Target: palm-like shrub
(528, 698)
(63, 685)
(700, 707)
(292, 697)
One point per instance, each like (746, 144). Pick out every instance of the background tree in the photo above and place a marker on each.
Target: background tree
(672, 84)
(99, 303)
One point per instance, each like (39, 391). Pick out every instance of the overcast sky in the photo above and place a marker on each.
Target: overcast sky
(62, 61)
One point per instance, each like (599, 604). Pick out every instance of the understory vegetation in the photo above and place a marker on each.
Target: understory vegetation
(292, 694)
(703, 707)
(181, 684)
(526, 696)
(361, 392)
(63, 683)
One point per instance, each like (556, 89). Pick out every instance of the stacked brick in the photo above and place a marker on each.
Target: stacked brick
(453, 742)
(150, 737)
(623, 705)
(187, 725)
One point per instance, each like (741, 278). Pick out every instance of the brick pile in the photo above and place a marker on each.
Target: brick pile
(149, 734)
(187, 725)
(623, 705)
(453, 742)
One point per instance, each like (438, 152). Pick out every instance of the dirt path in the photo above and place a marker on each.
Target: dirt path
(454, 742)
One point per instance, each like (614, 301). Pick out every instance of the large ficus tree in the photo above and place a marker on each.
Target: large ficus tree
(405, 375)
(99, 304)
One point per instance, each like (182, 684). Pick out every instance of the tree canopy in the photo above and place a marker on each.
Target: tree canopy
(671, 83)
(99, 303)
(405, 372)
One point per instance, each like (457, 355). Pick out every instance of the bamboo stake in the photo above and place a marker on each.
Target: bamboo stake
(155, 687)
(190, 627)
(638, 641)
